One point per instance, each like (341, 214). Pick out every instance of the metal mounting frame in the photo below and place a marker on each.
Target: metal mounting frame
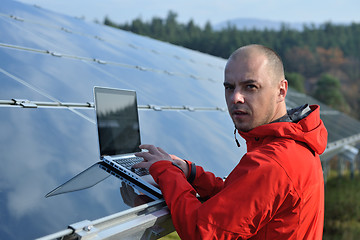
(148, 221)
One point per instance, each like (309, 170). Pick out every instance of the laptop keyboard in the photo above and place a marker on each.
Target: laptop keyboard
(129, 162)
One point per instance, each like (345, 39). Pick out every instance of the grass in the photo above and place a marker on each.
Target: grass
(170, 236)
(342, 209)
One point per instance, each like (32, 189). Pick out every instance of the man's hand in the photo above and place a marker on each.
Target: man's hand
(156, 154)
(181, 163)
(131, 198)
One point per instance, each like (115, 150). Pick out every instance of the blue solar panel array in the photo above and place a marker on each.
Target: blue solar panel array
(49, 64)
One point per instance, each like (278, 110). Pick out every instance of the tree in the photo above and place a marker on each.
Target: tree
(296, 81)
(171, 27)
(331, 58)
(301, 60)
(157, 28)
(328, 91)
(138, 26)
(329, 48)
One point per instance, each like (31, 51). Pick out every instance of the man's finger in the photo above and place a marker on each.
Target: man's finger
(162, 151)
(174, 157)
(149, 147)
(142, 165)
(123, 191)
(144, 155)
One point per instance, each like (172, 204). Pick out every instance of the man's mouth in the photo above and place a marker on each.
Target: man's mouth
(239, 112)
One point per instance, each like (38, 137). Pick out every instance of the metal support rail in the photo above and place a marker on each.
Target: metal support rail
(25, 103)
(67, 30)
(101, 61)
(148, 221)
(334, 148)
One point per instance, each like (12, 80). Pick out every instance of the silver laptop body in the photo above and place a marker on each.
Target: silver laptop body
(119, 136)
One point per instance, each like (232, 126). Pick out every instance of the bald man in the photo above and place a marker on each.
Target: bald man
(277, 190)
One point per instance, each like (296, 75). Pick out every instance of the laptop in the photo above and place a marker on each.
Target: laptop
(119, 137)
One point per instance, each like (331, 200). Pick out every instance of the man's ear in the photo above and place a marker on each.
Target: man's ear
(283, 87)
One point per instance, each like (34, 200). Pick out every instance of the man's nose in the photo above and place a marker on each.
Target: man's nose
(238, 97)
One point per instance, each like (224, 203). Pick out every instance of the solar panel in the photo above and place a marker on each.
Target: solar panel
(49, 66)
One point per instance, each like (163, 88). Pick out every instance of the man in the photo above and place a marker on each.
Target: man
(277, 190)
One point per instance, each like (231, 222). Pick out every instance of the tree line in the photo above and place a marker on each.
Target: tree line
(322, 61)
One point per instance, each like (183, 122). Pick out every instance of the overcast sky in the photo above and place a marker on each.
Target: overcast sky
(215, 11)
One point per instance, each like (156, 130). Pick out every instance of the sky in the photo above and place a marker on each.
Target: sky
(214, 11)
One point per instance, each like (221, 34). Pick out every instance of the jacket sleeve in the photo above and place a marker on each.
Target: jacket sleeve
(238, 211)
(206, 184)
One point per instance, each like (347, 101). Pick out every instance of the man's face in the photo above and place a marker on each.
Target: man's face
(250, 91)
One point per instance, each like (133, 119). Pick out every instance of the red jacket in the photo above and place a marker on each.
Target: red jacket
(275, 192)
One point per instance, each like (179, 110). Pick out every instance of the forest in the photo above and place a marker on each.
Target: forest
(321, 61)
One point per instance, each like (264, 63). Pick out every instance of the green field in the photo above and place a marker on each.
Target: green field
(171, 236)
(342, 208)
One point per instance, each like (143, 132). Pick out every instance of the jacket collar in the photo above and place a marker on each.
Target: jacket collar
(300, 124)
(295, 114)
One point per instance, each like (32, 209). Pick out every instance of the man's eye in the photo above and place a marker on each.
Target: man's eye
(228, 87)
(251, 86)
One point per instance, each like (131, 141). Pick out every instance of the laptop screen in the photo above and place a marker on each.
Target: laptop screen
(117, 121)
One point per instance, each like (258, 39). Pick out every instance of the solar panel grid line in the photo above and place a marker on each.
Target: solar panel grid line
(70, 31)
(101, 61)
(90, 105)
(329, 112)
(6, 102)
(47, 25)
(23, 82)
(343, 142)
(93, 121)
(173, 108)
(11, 46)
(21, 19)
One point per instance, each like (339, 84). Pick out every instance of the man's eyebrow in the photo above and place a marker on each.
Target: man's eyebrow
(248, 81)
(227, 84)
